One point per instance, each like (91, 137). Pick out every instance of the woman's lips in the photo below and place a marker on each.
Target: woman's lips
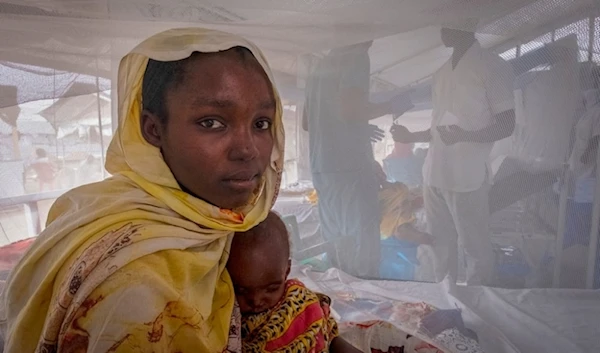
(242, 184)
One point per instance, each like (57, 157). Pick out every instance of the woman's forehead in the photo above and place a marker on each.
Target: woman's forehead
(217, 82)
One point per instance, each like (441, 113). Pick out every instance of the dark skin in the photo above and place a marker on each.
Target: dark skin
(502, 127)
(217, 138)
(259, 264)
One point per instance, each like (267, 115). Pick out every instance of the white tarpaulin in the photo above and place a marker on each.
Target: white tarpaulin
(437, 76)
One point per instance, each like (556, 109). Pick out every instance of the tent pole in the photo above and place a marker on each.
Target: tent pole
(103, 157)
(591, 39)
(593, 249)
(15, 142)
(562, 225)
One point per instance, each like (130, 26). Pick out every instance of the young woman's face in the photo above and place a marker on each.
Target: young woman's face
(218, 139)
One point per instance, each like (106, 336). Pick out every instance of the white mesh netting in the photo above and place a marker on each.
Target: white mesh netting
(500, 206)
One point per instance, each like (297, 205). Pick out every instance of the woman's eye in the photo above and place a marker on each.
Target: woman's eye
(263, 124)
(211, 124)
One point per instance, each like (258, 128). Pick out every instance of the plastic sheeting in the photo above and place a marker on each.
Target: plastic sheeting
(89, 37)
(505, 321)
(58, 64)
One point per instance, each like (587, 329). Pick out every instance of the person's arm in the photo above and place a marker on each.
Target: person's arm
(401, 134)
(340, 345)
(355, 105)
(503, 127)
(589, 156)
(421, 136)
(353, 93)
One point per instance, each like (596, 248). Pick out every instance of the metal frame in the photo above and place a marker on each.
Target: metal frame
(32, 213)
(594, 231)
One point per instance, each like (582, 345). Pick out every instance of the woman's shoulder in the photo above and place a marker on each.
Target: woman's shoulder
(113, 185)
(91, 197)
(144, 303)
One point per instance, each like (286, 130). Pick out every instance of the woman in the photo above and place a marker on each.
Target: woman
(136, 263)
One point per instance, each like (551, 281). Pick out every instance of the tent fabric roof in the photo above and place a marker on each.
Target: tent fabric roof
(47, 46)
(75, 108)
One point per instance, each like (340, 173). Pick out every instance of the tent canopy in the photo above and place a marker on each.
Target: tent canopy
(48, 46)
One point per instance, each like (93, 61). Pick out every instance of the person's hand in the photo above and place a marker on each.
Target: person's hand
(451, 134)
(401, 134)
(376, 134)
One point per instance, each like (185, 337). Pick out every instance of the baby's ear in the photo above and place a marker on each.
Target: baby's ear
(289, 268)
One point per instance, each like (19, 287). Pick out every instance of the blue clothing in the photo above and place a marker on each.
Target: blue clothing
(350, 216)
(407, 170)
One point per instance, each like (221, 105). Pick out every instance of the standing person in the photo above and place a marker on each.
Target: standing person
(345, 174)
(473, 106)
(136, 263)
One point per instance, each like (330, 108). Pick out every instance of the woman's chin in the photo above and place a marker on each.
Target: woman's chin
(232, 201)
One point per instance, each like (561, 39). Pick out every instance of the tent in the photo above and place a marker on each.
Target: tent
(61, 58)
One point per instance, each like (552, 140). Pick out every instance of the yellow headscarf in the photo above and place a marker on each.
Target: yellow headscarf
(133, 263)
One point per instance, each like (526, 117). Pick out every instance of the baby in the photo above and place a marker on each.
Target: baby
(278, 314)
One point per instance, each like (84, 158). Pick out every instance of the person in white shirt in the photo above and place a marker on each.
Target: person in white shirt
(473, 106)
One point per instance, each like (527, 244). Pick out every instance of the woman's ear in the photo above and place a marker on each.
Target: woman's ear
(152, 128)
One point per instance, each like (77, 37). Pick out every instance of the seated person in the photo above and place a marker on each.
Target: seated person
(404, 166)
(401, 240)
(278, 314)
(398, 206)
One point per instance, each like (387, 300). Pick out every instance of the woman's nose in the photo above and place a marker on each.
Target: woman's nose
(243, 145)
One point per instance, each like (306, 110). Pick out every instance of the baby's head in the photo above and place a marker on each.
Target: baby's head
(259, 264)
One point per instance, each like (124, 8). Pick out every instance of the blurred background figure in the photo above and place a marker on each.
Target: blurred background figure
(44, 169)
(345, 174)
(89, 171)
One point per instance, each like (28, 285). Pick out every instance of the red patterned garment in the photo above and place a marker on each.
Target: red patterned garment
(10, 255)
(300, 322)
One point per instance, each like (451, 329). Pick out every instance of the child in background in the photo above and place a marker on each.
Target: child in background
(278, 314)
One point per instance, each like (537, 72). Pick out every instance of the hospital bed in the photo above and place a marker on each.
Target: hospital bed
(505, 321)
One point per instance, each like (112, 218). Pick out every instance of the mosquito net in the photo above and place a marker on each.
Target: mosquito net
(432, 141)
